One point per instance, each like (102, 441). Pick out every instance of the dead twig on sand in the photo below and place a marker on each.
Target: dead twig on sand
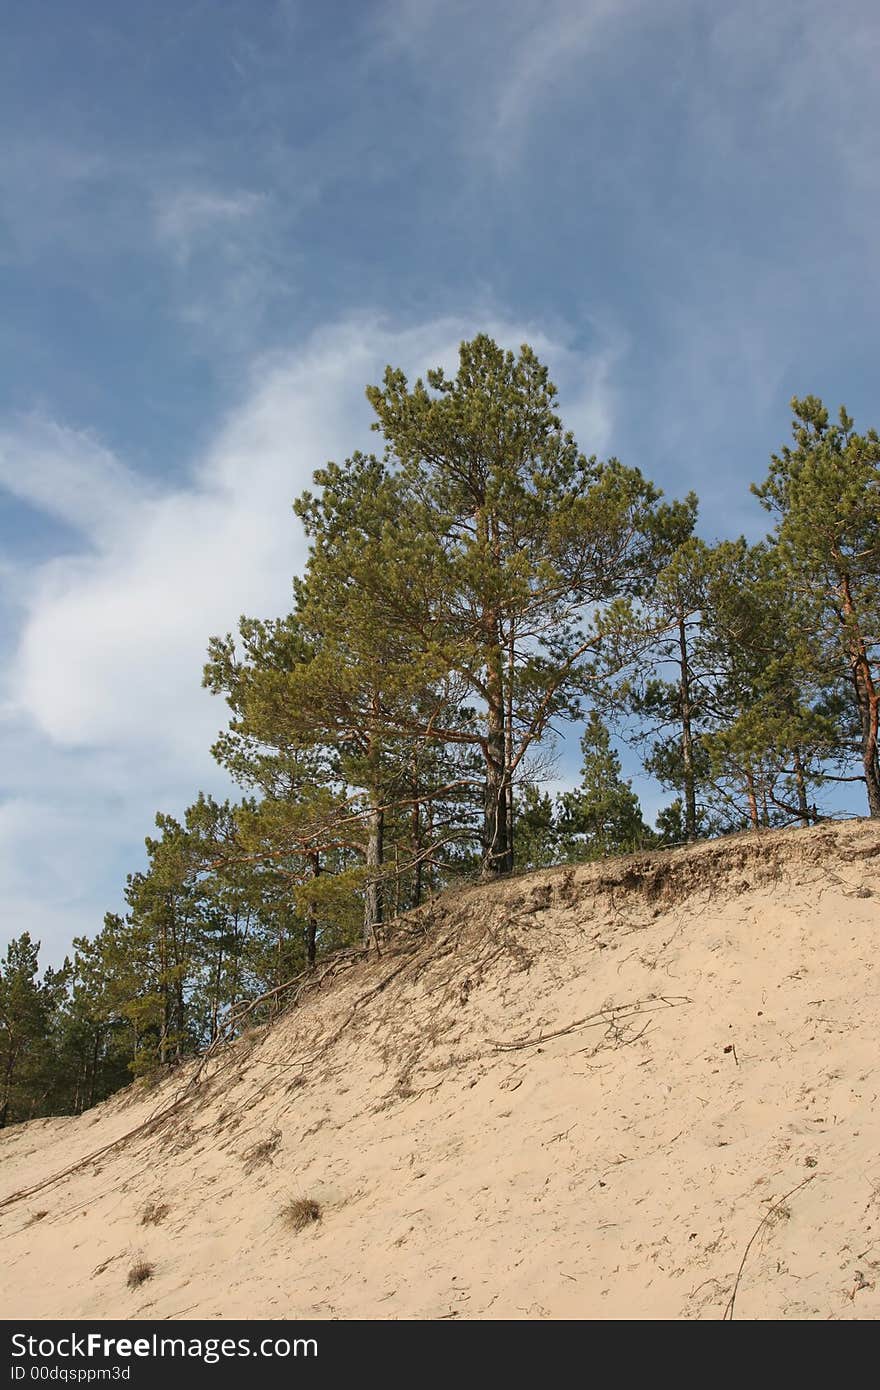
(728, 1308)
(611, 1015)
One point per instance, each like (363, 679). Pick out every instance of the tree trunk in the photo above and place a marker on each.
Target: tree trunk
(687, 741)
(7, 1085)
(496, 814)
(800, 783)
(496, 807)
(215, 1003)
(373, 891)
(508, 749)
(867, 699)
(240, 940)
(753, 802)
(869, 762)
(96, 1052)
(496, 851)
(416, 836)
(180, 1020)
(868, 703)
(427, 871)
(279, 970)
(166, 1000)
(312, 915)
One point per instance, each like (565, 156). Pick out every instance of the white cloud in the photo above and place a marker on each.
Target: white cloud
(189, 218)
(67, 474)
(104, 719)
(592, 391)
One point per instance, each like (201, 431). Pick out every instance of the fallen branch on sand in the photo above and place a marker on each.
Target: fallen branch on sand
(611, 1014)
(728, 1308)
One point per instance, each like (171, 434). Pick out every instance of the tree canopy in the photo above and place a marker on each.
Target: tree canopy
(478, 595)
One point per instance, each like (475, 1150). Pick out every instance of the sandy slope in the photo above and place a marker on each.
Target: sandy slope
(576, 1095)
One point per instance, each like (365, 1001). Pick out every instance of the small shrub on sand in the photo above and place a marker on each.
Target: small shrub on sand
(261, 1153)
(301, 1212)
(139, 1273)
(154, 1212)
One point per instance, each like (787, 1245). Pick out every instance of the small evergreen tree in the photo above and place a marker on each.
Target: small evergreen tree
(603, 816)
(824, 491)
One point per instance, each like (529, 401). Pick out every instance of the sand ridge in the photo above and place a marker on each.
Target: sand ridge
(646, 1088)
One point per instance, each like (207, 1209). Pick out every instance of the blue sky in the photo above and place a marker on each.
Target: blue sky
(218, 222)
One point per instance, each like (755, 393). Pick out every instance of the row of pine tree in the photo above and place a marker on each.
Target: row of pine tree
(473, 591)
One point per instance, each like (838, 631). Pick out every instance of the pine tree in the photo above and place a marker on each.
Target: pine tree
(766, 736)
(537, 838)
(603, 815)
(89, 1056)
(508, 558)
(824, 491)
(673, 603)
(26, 1009)
(319, 700)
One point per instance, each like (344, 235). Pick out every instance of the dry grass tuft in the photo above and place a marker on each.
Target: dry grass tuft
(140, 1272)
(154, 1212)
(301, 1212)
(262, 1152)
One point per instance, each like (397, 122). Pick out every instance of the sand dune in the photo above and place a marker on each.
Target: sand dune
(646, 1088)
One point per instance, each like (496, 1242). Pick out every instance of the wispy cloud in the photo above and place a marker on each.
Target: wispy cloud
(497, 65)
(228, 271)
(68, 474)
(547, 46)
(212, 251)
(190, 220)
